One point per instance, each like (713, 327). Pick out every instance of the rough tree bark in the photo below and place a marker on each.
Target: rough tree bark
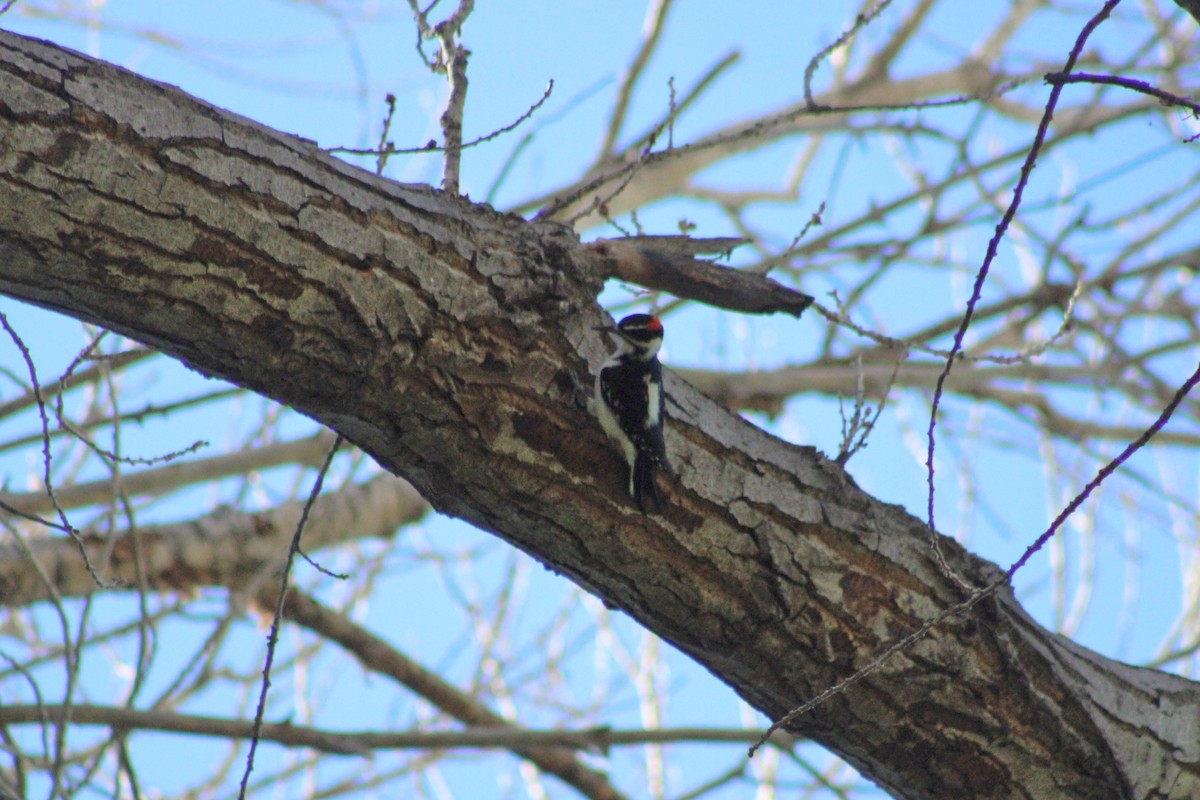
(450, 342)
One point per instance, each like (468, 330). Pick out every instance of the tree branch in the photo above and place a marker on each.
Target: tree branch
(667, 263)
(1167, 98)
(216, 550)
(381, 657)
(363, 743)
(158, 480)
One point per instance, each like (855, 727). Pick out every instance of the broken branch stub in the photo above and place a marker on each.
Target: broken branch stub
(669, 264)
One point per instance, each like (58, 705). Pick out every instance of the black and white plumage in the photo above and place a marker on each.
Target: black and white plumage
(629, 404)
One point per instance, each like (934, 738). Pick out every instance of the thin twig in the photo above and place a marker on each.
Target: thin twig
(990, 255)
(1167, 98)
(386, 149)
(1105, 471)
(111, 458)
(600, 202)
(860, 22)
(385, 146)
(656, 20)
(858, 425)
(48, 481)
(277, 622)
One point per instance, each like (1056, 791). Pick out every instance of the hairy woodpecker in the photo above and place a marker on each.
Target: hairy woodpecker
(629, 403)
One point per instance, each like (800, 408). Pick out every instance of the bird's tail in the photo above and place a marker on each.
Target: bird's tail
(644, 485)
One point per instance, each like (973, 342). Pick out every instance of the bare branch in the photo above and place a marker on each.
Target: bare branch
(994, 243)
(883, 58)
(277, 619)
(656, 20)
(455, 57)
(1167, 98)
(220, 549)
(673, 168)
(1106, 470)
(381, 657)
(80, 378)
(48, 494)
(159, 480)
(363, 743)
(860, 22)
(386, 149)
(666, 263)
(451, 62)
(859, 426)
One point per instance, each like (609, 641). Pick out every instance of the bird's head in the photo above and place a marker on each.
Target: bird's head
(641, 335)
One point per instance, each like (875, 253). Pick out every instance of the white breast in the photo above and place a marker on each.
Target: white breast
(654, 396)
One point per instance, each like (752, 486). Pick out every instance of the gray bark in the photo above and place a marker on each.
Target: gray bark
(450, 342)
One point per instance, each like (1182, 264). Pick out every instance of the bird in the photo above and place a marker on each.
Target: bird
(629, 404)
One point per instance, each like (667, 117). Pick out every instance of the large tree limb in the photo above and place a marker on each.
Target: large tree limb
(449, 342)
